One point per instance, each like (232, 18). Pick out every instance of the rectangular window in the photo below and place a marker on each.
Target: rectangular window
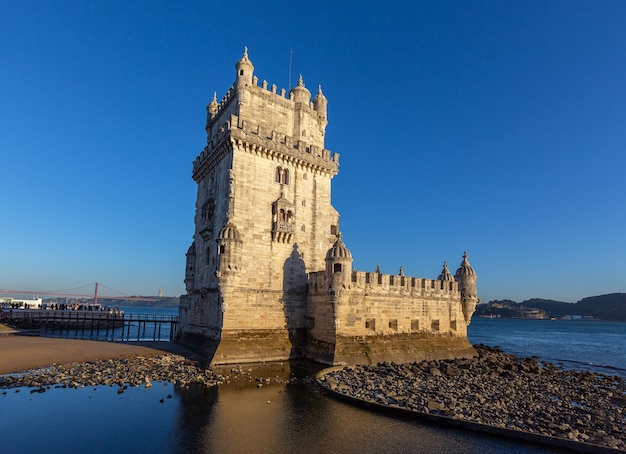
(393, 324)
(333, 230)
(370, 324)
(415, 325)
(453, 325)
(434, 325)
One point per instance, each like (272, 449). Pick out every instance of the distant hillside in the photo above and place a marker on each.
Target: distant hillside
(602, 307)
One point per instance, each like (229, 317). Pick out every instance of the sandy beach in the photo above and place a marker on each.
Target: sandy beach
(20, 352)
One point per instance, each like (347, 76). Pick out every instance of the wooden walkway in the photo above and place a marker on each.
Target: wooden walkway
(94, 325)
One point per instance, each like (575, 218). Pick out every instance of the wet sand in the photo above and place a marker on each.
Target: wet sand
(21, 352)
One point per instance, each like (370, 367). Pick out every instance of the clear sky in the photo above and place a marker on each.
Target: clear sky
(496, 127)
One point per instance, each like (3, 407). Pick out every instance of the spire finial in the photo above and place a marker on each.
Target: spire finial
(245, 51)
(300, 81)
(319, 90)
(214, 97)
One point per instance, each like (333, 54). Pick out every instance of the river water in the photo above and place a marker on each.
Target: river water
(239, 417)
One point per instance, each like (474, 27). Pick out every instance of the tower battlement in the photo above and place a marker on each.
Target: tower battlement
(271, 143)
(366, 282)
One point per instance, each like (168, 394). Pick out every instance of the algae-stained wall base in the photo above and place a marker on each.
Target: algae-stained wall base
(400, 348)
(268, 276)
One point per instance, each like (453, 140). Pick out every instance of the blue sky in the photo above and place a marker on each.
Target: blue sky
(496, 127)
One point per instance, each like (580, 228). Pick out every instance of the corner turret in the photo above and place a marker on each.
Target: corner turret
(244, 69)
(320, 105)
(190, 266)
(211, 111)
(229, 250)
(466, 277)
(339, 264)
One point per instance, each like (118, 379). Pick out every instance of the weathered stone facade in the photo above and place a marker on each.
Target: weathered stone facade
(268, 276)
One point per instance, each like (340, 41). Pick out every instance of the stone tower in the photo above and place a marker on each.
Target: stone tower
(263, 220)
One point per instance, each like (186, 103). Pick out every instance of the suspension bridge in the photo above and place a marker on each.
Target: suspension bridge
(66, 293)
(88, 321)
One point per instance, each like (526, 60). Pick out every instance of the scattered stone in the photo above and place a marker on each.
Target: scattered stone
(500, 390)
(123, 372)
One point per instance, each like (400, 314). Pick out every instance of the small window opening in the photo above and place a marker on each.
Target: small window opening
(370, 324)
(333, 230)
(415, 325)
(241, 72)
(434, 325)
(222, 249)
(393, 324)
(337, 268)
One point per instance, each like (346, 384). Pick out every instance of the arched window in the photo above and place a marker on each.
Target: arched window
(278, 175)
(289, 216)
(286, 176)
(281, 215)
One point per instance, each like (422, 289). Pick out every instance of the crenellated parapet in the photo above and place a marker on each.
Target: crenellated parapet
(298, 95)
(393, 284)
(269, 143)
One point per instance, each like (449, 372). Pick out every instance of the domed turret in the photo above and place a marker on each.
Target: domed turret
(320, 103)
(445, 273)
(339, 264)
(211, 111)
(466, 277)
(229, 250)
(299, 93)
(212, 107)
(190, 266)
(244, 69)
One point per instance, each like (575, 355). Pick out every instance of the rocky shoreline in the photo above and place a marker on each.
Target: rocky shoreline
(122, 372)
(498, 390)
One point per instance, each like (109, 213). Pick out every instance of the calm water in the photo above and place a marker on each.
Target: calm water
(279, 418)
(597, 346)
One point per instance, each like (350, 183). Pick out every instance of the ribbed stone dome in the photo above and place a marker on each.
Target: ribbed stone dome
(465, 269)
(445, 273)
(300, 93)
(230, 232)
(338, 251)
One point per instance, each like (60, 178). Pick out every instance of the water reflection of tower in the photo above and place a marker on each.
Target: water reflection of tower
(160, 292)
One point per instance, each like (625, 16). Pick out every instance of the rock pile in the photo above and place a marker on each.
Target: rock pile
(500, 390)
(133, 371)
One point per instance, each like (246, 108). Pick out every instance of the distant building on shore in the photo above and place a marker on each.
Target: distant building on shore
(268, 276)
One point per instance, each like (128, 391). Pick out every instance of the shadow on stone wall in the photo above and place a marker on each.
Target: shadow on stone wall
(295, 281)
